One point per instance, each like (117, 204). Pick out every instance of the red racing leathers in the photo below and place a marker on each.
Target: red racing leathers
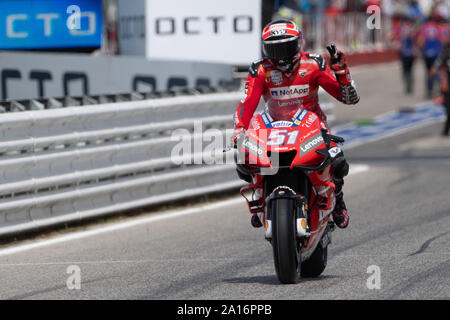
(302, 83)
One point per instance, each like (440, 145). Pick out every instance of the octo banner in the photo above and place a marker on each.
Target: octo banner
(43, 24)
(197, 30)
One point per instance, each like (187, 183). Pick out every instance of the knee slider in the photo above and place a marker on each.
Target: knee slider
(244, 177)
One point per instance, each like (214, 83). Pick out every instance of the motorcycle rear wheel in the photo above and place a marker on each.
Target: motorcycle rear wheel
(315, 265)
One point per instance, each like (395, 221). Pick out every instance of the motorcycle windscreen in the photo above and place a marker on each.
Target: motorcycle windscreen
(283, 109)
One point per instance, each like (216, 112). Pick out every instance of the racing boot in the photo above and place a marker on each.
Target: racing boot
(254, 195)
(256, 219)
(340, 213)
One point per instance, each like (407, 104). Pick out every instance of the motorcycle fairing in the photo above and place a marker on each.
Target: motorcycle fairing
(302, 135)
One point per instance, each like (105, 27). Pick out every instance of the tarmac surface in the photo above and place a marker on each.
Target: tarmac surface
(400, 218)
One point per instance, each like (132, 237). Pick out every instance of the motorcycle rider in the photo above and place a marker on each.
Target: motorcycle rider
(443, 65)
(286, 66)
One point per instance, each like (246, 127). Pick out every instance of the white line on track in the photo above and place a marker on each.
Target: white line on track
(355, 169)
(120, 226)
(430, 255)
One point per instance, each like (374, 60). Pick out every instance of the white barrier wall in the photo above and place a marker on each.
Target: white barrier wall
(40, 75)
(69, 164)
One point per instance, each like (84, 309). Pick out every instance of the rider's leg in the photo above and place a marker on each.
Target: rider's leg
(340, 213)
(258, 196)
(340, 170)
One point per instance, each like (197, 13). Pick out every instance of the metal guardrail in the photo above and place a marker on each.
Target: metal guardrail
(69, 164)
(20, 105)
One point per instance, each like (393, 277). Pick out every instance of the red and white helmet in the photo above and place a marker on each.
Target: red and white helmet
(282, 40)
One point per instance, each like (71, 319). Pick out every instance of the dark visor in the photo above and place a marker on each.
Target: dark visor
(281, 49)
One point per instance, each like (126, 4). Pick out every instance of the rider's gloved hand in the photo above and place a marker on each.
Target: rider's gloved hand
(338, 64)
(236, 134)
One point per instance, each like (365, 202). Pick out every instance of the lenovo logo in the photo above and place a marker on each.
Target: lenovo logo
(311, 144)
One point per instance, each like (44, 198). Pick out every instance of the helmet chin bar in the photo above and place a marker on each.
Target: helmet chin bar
(284, 67)
(284, 62)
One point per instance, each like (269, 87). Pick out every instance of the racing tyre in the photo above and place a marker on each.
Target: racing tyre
(315, 265)
(284, 241)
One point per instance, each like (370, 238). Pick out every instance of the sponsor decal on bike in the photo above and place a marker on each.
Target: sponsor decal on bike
(259, 136)
(334, 151)
(253, 147)
(278, 149)
(278, 124)
(299, 117)
(254, 123)
(294, 118)
(310, 133)
(310, 144)
(291, 92)
(302, 73)
(310, 120)
(266, 120)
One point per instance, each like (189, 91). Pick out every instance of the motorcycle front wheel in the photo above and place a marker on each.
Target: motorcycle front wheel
(286, 253)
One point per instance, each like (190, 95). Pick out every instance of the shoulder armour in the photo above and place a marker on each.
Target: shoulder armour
(319, 59)
(253, 70)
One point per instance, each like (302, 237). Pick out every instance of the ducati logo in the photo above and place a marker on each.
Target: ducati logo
(302, 73)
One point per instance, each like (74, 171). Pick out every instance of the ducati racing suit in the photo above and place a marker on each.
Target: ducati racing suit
(303, 82)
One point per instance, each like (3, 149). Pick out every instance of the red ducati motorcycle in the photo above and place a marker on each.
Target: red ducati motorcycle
(290, 163)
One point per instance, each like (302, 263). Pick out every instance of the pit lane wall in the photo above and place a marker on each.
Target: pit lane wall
(27, 75)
